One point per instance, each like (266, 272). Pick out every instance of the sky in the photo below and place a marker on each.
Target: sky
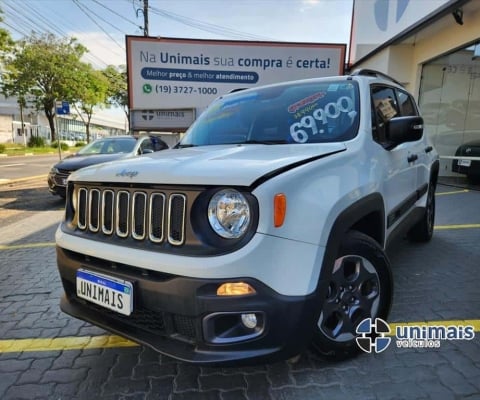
(101, 25)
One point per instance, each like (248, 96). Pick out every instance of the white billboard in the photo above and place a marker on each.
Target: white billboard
(166, 73)
(374, 22)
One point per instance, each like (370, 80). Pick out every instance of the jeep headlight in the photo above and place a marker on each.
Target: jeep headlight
(229, 214)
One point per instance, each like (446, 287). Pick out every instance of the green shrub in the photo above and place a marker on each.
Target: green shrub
(80, 144)
(36, 141)
(63, 145)
(2, 148)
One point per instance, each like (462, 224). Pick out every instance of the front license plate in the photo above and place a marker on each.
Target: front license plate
(106, 291)
(464, 163)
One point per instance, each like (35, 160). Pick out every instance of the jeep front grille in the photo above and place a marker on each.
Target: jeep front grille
(141, 215)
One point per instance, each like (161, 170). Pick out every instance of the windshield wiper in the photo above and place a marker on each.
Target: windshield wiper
(277, 141)
(183, 146)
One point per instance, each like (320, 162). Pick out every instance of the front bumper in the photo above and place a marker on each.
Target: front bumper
(184, 318)
(56, 185)
(472, 170)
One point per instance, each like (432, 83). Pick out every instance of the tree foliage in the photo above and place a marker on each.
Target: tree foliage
(92, 90)
(118, 89)
(47, 68)
(5, 39)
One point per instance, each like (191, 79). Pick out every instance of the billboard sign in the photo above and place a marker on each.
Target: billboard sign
(166, 73)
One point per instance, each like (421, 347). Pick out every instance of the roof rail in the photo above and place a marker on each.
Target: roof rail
(372, 72)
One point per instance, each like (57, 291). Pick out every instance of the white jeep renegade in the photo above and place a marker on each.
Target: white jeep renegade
(262, 232)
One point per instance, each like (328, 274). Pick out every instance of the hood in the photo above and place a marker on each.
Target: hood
(207, 165)
(75, 162)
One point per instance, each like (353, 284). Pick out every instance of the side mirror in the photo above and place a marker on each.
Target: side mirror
(403, 129)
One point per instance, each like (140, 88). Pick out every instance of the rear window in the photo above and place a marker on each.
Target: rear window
(305, 112)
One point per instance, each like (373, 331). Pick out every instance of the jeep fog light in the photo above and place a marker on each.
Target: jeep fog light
(235, 289)
(249, 320)
(229, 214)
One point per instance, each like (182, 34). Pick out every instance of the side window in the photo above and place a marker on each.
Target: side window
(406, 104)
(146, 145)
(384, 108)
(158, 143)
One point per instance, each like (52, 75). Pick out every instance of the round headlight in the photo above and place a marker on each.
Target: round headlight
(229, 213)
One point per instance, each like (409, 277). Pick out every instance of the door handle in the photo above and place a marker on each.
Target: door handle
(412, 158)
(428, 149)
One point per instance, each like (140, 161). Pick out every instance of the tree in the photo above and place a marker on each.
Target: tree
(91, 91)
(5, 40)
(118, 89)
(46, 68)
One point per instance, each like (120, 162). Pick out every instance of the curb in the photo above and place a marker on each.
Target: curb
(33, 154)
(28, 178)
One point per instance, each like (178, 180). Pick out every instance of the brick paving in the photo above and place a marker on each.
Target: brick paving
(437, 281)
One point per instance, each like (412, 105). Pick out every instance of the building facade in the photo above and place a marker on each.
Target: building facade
(70, 128)
(433, 48)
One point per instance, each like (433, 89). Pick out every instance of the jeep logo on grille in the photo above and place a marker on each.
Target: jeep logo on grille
(130, 174)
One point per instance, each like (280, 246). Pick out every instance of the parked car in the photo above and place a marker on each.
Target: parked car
(99, 151)
(263, 231)
(464, 164)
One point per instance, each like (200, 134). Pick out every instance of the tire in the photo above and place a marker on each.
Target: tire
(422, 231)
(360, 287)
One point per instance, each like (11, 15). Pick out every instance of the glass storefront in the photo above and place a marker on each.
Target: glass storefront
(449, 100)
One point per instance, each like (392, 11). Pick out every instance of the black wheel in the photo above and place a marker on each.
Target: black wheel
(422, 231)
(360, 287)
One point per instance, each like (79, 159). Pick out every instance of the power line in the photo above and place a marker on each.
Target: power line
(77, 3)
(19, 15)
(39, 15)
(205, 26)
(13, 28)
(116, 13)
(21, 18)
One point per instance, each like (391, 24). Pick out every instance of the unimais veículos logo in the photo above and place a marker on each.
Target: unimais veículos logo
(373, 335)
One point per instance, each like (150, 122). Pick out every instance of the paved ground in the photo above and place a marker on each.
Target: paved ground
(433, 282)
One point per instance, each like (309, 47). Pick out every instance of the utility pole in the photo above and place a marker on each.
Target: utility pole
(145, 17)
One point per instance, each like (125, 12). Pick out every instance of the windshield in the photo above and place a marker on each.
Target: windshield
(306, 112)
(108, 146)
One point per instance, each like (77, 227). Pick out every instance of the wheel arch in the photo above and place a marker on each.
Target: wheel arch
(367, 215)
(434, 171)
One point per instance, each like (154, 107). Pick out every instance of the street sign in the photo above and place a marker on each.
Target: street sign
(62, 107)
